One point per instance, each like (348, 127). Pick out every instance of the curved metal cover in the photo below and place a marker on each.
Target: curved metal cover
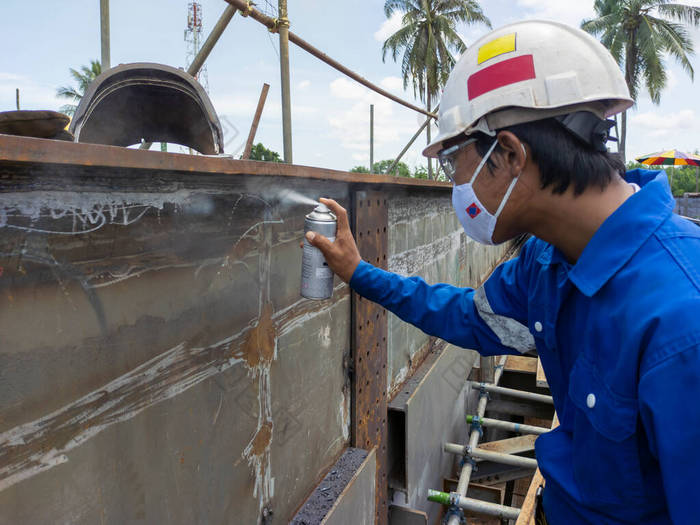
(155, 102)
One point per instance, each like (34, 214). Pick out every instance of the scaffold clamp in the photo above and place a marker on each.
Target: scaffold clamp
(475, 424)
(483, 392)
(454, 510)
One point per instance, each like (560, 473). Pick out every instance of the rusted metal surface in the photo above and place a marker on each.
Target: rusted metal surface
(147, 101)
(370, 220)
(86, 156)
(158, 362)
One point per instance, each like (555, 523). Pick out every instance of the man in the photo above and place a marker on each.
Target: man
(607, 289)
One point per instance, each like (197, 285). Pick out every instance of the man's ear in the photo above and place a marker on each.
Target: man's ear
(512, 152)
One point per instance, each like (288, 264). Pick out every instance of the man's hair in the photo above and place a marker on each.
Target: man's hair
(562, 158)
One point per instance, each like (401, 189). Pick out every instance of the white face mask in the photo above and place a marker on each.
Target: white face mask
(476, 220)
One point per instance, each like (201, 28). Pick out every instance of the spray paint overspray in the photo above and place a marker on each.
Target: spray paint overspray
(316, 276)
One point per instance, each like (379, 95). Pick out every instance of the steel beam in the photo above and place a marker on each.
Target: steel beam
(91, 156)
(370, 220)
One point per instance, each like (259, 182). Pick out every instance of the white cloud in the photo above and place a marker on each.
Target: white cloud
(304, 84)
(389, 27)
(347, 89)
(562, 11)
(33, 95)
(350, 121)
(392, 84)
(660, 125)
(671, 80)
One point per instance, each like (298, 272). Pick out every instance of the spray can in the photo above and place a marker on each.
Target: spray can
(316, 276)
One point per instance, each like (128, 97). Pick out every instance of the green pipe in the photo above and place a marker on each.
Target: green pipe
(438, 497)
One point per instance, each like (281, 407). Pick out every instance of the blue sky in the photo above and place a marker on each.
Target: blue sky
(330, 114)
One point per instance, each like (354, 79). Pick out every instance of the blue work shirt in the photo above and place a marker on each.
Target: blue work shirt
(618, 334)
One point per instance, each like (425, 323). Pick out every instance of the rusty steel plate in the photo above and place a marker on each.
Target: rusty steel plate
(370, 218)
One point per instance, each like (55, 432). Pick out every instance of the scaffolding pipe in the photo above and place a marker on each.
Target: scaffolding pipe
(507, 425)
(283, 31)
(530, 396)
(474, 436)
(473, 505)
(488, 455)
(272, 24)
(104, 35)
(371, 138)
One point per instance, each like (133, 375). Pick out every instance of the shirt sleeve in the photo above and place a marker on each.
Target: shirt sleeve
(668, 396)
(490, 323)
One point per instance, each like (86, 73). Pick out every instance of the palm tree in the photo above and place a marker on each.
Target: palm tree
(638, 34)
(427, 37)
(83, 78)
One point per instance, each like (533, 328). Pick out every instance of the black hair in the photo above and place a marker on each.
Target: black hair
(562, 158)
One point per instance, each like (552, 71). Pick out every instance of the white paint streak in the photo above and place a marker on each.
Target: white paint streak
(401, 376)
(86, 211)
(344, 415)
(85, 421)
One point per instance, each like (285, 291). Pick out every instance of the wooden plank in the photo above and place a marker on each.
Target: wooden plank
(514, 445)
(517, 363)
(527, 511)
(541, 380)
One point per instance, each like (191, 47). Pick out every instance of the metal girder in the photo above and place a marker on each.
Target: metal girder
(21, 150)
(369, 415)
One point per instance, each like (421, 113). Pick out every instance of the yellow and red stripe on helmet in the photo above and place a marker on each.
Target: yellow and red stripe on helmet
(501, 74)
(499, 46)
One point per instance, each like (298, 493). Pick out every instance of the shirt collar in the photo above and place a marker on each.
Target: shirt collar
(623, 233)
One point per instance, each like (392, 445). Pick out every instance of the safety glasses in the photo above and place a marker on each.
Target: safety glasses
(447, 158)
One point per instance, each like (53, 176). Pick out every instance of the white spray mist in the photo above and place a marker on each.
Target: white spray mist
(292, 196)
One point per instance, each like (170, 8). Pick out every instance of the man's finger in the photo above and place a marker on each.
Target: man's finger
(339, 211)
(319, 241)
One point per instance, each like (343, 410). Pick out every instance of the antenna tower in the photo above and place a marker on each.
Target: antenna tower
(193, 37)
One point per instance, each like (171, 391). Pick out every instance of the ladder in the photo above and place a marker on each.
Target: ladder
(504, 452)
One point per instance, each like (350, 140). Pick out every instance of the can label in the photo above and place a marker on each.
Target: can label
(316, 276)
(313, 264)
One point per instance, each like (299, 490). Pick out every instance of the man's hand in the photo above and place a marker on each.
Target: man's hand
(342, 255)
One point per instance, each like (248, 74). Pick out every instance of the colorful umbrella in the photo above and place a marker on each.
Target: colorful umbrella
(672, 157)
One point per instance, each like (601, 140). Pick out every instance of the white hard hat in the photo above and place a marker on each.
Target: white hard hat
(528, 71)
